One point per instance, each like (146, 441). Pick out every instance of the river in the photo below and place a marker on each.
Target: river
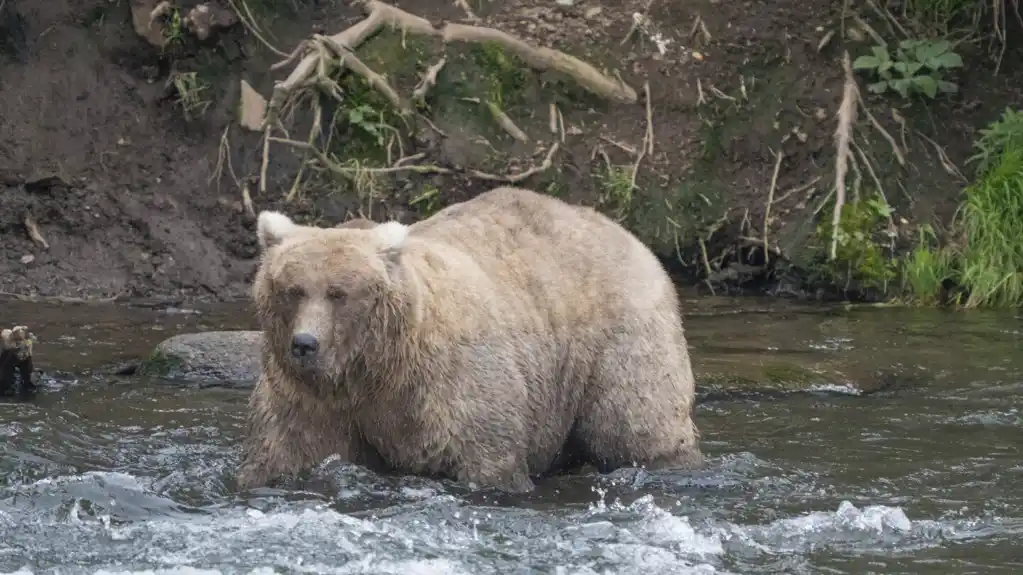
(105, 474)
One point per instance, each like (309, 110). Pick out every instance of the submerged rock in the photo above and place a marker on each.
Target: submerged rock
(228, 358)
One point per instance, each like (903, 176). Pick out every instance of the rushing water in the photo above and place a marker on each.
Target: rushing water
(105, 475)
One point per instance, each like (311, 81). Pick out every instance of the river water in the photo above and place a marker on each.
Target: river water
(103, 474)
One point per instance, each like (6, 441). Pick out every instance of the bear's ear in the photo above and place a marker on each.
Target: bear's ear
(391, 233)
(272, 228)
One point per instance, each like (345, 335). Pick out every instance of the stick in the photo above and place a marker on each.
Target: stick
(770, 200)
(429, 81)
(797, 190)
(548, 161)
(649, 119)
(506, 123)
(33, 231)
(843, 134)
(877, 125)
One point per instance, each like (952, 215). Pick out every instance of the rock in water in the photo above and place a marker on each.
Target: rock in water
(228, 358)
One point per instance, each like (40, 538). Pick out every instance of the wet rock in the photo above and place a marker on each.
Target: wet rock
(227, 358)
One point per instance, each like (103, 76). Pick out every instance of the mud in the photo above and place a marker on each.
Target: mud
(124, 187)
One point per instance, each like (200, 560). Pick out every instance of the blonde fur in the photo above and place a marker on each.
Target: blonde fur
(505, 337)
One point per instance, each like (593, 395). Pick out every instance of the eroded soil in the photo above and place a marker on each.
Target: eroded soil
(125, 192)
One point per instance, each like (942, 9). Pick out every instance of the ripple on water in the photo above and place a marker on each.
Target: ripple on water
(923, 479)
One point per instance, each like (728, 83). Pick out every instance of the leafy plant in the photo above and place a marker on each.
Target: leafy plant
(916, 68)
(362, 116)
(1001, 135)
(190, 89)
(861, 256)
(926, 269)
(173, 31)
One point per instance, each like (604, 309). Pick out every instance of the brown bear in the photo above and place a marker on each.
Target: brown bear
(504, 338)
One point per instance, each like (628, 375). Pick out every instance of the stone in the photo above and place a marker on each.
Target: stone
(222, 358)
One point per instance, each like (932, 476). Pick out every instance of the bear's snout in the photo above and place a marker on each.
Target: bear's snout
(304, 345)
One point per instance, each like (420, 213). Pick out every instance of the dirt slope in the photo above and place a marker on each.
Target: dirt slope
(94, 148)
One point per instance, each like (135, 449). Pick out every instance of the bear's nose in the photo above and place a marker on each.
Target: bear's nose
(304, 344)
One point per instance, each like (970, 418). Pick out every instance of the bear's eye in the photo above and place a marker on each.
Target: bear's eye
(295, 292)
(336, 294)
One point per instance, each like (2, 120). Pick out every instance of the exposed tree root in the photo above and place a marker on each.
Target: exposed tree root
(321, 56)
(381, 14)
(428, 82)
(770, 200)
(506, 123)
(843, 136)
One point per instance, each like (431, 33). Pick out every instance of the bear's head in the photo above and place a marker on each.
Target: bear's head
(322, 294)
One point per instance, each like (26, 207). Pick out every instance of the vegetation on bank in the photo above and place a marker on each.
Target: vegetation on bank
(909, 59)
(978, 260)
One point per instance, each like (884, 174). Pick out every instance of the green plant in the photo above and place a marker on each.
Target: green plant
(503, 75)
(369, 121)
(938, 16)
(427, 202)
(991, 260)
(190, 89)
(861, 256)
(919, 64)
(1004, 134)
(926, 269)
(616, 190)
(173, 31)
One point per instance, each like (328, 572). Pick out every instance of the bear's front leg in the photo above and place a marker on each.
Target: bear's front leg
(497, 468)
(289, 431)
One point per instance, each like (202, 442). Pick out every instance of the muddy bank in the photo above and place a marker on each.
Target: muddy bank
(128, 160)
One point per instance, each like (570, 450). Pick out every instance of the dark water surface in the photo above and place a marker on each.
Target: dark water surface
(105, 475)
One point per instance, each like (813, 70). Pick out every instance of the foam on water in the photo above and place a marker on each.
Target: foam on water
(922, 478)
(432, 534)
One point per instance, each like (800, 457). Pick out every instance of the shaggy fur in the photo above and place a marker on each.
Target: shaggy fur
(358, 223)
(503, 338)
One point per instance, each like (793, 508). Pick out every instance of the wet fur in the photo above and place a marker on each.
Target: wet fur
(501, 339)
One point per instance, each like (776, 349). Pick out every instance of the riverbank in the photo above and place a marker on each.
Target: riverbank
(125, 170)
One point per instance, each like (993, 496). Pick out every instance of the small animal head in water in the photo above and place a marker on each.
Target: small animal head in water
(18, 341)
(318, 290)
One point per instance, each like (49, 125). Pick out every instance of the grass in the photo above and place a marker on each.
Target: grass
(191, 97)
(991, 261)
(985, 262)
(616, 190)
(926, 270)
(941, 15)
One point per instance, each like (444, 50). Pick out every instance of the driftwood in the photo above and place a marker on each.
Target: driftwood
(16, 362)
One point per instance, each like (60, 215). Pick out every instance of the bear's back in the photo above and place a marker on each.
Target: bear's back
(555, 251)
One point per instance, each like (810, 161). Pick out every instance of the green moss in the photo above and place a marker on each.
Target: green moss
(159, 364)
(769, 378)
(503, 75)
